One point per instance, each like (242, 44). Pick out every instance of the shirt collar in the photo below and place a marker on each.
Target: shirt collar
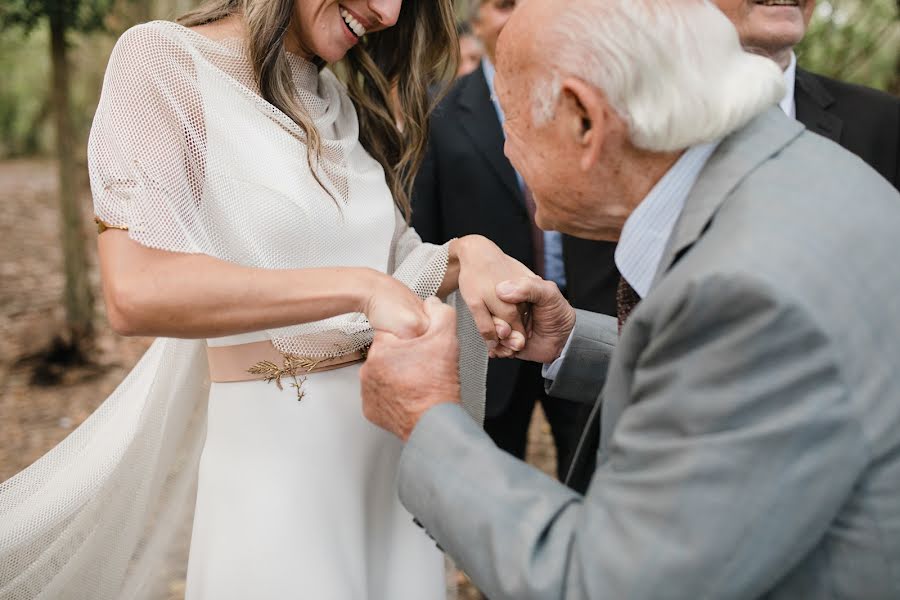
(487, 67)
(489, 71)
(787, 103)
(648, 229)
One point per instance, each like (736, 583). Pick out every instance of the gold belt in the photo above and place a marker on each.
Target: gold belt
(261, 360)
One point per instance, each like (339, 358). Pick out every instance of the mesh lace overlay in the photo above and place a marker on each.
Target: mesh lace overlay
(186, 155)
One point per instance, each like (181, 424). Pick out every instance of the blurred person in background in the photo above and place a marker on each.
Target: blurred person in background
(465, 186)
(470, 50)
(862, 120)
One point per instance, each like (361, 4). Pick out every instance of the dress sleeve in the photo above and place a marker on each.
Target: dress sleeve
(422, 267)
(146, 153)
(419, 265)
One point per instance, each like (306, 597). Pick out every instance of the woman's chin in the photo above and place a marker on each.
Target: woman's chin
(332, 53)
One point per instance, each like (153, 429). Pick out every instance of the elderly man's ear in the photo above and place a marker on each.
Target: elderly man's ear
(585, 116)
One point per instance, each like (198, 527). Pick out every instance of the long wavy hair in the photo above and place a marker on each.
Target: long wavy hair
(410, 57)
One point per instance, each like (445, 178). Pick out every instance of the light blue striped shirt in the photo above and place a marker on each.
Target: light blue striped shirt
(648, 228)
(554, 268)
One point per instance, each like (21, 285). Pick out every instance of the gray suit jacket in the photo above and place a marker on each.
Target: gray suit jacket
(751, 416)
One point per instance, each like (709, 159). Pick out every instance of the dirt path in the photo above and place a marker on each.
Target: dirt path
(34, 418)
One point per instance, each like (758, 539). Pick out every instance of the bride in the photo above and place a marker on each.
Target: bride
(253, 214)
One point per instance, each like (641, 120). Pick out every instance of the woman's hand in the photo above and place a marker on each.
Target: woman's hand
(482, 265)
(392, 307)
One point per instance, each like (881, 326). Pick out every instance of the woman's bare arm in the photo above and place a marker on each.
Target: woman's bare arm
(159, 293)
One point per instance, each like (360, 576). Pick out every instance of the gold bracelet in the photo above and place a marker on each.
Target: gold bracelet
(103, 226)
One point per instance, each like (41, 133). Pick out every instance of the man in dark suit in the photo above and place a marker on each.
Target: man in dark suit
(864, 121)
(467, 186)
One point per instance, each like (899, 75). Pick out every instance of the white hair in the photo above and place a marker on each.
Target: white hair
(673, 70)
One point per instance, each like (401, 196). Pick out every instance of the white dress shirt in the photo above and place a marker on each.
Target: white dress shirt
(787, 103)
(648, 228)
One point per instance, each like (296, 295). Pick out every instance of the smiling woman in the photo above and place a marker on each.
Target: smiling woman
(357, 28)
(253, 215)
(416, 40)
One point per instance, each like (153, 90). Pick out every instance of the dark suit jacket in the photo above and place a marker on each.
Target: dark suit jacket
(591, 274)
(864, 121)
(467, 186)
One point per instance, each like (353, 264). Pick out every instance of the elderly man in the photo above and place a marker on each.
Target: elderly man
(862, 120)
(751, 421)
(467, 186)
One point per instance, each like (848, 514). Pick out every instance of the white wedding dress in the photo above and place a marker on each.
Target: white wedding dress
(295, 498)
(298, 500)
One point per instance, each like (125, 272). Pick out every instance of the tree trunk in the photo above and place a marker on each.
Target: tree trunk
(78, 300)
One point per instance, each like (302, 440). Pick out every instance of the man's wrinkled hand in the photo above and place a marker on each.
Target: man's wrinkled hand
(403, 378)
(550, 319)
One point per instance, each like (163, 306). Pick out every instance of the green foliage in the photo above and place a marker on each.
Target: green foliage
(78, 15)
(463, 8)
(24, 94)
(855, 40)
(25, 99)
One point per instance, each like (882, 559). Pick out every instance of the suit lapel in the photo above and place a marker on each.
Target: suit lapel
(736, 157)
(813, 102)
(478, 119)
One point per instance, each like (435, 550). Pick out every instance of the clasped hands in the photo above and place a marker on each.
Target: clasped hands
(405, 375)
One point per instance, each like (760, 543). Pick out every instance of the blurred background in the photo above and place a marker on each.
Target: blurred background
(58, 360)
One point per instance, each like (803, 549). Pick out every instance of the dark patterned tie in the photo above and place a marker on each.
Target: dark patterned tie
(626, 300)
(537, 234)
